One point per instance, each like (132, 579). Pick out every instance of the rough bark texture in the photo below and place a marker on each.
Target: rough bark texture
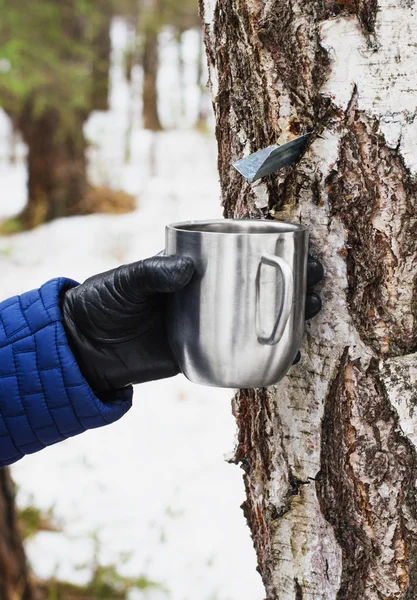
(15, 581)
(329, 454)
(57, 182)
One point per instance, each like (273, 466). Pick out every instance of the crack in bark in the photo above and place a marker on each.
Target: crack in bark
(365, 10)
(377, 206)
(295, 484)
(302, 67)
(252, 412)
(366, 486)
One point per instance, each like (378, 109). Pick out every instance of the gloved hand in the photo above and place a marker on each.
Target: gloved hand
(315, 274)
(115, 321)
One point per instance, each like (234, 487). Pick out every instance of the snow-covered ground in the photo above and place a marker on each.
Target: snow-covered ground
(156, 484)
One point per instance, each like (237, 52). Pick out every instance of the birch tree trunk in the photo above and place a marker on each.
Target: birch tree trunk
(329, 454)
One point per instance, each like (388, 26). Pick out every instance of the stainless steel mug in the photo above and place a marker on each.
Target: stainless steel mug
(239, 323)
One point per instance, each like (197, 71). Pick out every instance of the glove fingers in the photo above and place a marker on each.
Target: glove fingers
(161, 274)
(313, 305)
(315, 271)
(297, 359)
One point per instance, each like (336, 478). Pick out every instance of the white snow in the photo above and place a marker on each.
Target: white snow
(156, 483)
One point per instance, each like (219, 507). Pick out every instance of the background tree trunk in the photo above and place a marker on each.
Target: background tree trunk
(57, 167)
(329, 454)
(101, 59)
(150, 62)
(15, 582)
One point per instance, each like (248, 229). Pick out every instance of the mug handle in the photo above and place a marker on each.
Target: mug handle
(286, 301)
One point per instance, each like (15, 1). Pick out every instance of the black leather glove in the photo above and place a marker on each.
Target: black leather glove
(315, 274)
(115, 322)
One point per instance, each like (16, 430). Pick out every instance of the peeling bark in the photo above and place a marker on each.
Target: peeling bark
(329, 454)
(367, 485)
(373, 195)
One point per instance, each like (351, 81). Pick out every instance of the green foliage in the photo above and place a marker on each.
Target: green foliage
(109, 585)
(6, 252)
(155, 14)
(46, 54)
(105, 582)
(11, 226)
(180, 15)
(32, 520)
(150, 17)
(47, 48)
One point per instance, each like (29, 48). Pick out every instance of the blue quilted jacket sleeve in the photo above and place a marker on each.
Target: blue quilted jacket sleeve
(44, 398)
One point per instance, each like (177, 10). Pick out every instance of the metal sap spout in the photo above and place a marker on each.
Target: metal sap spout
(266, 161)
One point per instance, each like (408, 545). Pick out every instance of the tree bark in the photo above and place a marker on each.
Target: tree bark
(150, 61)
(15, 583)
(329, 454)
(57, 182)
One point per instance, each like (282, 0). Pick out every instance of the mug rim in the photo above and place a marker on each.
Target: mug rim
(281, 227)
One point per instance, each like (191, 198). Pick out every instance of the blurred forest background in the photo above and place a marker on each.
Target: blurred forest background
(105, 117)
(55, 69)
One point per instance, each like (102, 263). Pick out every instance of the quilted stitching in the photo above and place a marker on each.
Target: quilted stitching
(44, 398)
